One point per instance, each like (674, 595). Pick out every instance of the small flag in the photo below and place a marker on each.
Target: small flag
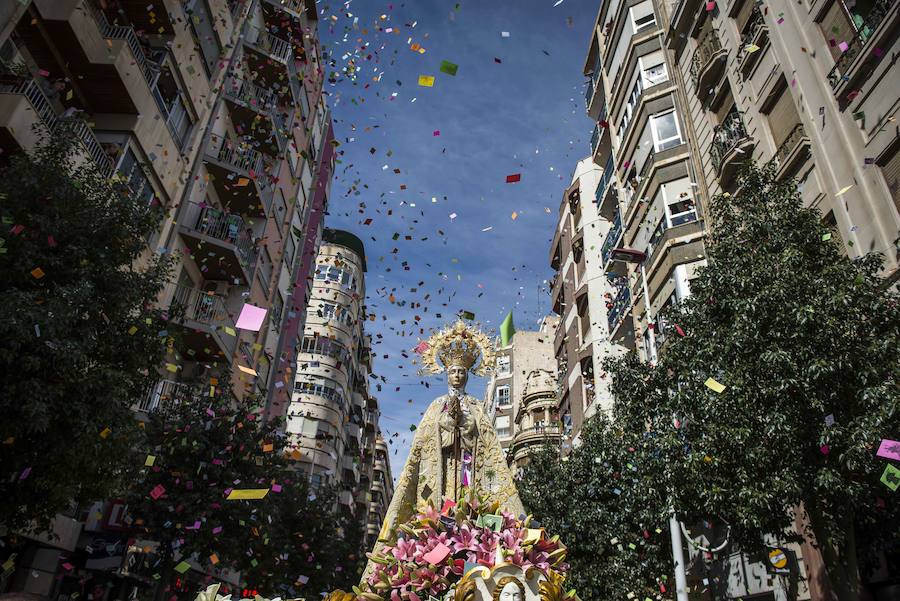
(515, 177)
(426, 80)
(448, 68)
(507, 329)
(467, 315)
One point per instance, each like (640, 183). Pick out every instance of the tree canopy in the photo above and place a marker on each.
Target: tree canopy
(79, 337)
(769, 399)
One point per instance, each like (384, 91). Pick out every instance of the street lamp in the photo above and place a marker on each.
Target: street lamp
(634, 256)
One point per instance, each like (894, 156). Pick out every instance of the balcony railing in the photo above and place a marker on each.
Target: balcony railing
(128, 35)
(223, 226)
(618, 308)
(868, 24)
(294, 5)
(753, 26)
(167, 392)
(787, 147)
(604, 179)
(42, 107)
(706, 50)
(612, 237)
(268, 43)
(726, 137)
(261, 99)
(245, 159)
(203, 307)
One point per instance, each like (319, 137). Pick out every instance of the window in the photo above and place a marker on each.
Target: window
(653, 69)
(280, 206)
(503, 426)
(336, 275)
(134, 178)
(503, 365)
(290, 249)
(204, 33)
(628, 112)
(330, 392)
(502, 396)
(264, 271)
(277, 309)
(642, 17)
(666, 133)
(170, 101)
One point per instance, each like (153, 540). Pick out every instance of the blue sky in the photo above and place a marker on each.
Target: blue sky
(524, 115)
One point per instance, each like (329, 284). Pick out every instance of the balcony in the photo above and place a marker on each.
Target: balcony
(271, 55)
(731, 146)
(612, 239)
(254, 112)
(593, 94)
(875, 29)
(129, 38)
(167, 392)
(754, 39)
(239, 176)
(683, 17)
(30, 93)
(707, 64)
(601, 141)
(619, 307)
(531, 438)
(205, 321)
(792, 153)
(221, 239)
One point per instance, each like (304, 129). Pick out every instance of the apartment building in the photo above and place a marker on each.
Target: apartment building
(332, 418)
(212, 109)
(807, 87)
(520, 397)
(586, 295)
(382, 489)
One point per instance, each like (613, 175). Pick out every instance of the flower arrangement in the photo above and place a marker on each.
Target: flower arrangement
(436, 548)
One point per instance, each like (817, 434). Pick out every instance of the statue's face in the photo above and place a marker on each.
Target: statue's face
(511, 592)
(457, 377)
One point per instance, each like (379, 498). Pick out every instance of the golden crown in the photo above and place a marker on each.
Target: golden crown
(458, 345)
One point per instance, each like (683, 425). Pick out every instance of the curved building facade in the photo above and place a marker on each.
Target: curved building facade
(332, 418)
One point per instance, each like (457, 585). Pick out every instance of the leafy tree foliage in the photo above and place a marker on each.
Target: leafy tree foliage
(806, 343)
(608, 508)
(202, 449)
(78, 334)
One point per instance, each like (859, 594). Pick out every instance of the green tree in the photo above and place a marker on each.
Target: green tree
(78, 334)
(200, 449)
(806, 343)
(606, 504)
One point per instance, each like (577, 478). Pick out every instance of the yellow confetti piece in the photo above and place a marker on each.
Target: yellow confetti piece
(247, 493)
(247, 370)
(172, 367)
(37, 273)
(715, 386)
(514, 216)
(230, 331)
(150, 460)
(843, 190)
(426, 80)
(132, 330)
(105, 432)
(752, 48)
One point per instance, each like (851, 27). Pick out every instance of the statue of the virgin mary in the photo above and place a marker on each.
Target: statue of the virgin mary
(455, 447)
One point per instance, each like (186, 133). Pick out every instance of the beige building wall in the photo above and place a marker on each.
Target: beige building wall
(528, 354)
(776, 84)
